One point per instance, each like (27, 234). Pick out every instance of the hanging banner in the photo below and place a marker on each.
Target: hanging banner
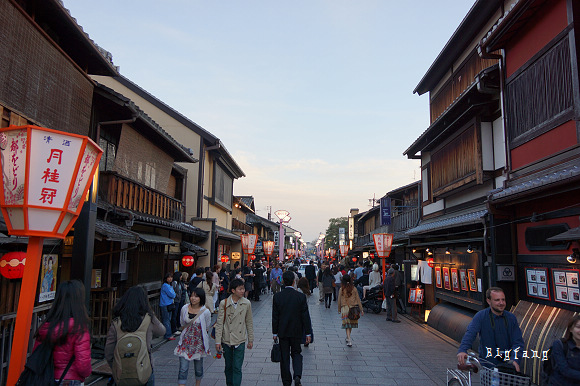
(385, 211)
(48, 274)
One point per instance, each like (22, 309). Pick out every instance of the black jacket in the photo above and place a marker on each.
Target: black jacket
(363, 280)
(389, 286)
(310, 272)
(290, 316)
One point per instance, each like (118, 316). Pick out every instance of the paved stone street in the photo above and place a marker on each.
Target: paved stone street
(383, 353)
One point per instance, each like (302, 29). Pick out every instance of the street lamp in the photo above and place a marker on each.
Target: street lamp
(298, 235)
(284, 216)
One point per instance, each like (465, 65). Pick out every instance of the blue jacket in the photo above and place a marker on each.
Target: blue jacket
(495, 332)
(167, 295)
(566, 367)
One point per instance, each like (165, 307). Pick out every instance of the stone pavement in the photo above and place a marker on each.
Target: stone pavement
(383, 353)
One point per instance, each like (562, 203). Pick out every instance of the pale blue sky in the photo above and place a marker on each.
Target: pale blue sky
(313, 98)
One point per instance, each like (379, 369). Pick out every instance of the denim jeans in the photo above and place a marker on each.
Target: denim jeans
(166, 320)
(184, 368)
(234, 358)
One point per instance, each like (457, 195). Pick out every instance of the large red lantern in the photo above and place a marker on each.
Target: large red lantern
(354, 259)
(12, 265)
(252, 257)
(225, 258)
(187, 261)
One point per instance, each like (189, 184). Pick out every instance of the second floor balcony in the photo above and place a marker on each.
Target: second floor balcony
(128, 194)
(400, 222)
(240, 226)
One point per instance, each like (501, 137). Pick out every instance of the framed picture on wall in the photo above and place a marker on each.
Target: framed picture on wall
(455, 279)
(472, 280)
(446, 278)
(412, 293)
(537, 282)
(566, 285)
(438, 281)
(463, 279)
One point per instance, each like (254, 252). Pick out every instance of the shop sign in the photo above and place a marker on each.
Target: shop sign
(506, 273)
(236, 255)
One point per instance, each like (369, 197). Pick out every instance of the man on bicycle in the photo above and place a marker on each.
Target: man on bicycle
(500, 337)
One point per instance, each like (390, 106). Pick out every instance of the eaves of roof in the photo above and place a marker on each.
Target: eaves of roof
(179, 226)
(451, 220)
(477, 17)
(414, 185)
(100, 61)
(181, 153)
(460, 108)
(203, 133)
(369, 212)
(538, 182)
(510, 23)
(253, 218)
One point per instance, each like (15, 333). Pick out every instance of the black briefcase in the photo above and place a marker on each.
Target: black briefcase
(275, 354)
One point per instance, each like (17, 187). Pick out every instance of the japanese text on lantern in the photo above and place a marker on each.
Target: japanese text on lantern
(50, 175)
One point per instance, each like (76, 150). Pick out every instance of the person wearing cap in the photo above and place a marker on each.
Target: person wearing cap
(389, 289)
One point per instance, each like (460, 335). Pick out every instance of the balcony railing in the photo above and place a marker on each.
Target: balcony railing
(400, 222)
(239, 226)
(128, 194)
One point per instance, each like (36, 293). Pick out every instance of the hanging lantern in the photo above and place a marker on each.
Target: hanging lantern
(225, 258)
(354, 259)
(12, 265)
(252, 257)
(187, 261)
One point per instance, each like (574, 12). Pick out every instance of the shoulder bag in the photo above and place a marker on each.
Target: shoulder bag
(354, 313)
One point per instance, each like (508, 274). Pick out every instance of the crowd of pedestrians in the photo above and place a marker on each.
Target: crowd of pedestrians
(186, 309)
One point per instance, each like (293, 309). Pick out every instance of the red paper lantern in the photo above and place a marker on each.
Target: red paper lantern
(430, 262)
(354, 259)
(187, 261)
(252, 257)
(225, 258)
(12, 265)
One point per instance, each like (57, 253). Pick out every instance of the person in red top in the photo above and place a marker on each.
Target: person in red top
(67, 327)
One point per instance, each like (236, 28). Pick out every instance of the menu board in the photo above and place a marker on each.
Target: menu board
(566, 288)
(537, 282)
(416, 295)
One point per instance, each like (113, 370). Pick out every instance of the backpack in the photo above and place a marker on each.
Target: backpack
(548, 365)
(131, 361)
(39, 367)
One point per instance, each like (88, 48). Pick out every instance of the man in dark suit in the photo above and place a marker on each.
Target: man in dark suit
(310, 273)
(290, 319)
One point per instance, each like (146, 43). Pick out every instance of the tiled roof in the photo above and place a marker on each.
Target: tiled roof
(447, 221)
(156, 239)
(224, 233)
(180, 226)
(562, 173)
(112, 232)
(193, 247)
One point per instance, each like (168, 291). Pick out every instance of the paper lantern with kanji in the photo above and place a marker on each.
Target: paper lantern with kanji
(225, 258)
(187, 261)
(12, 265)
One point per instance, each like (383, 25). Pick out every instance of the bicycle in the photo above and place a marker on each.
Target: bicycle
(473, 364)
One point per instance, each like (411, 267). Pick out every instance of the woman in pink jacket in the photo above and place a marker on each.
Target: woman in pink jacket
(67, 327)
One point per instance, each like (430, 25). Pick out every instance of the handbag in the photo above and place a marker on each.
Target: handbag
(212, 333)
(354, 313)
(275, 354)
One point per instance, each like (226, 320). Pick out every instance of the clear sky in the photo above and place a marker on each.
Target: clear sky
(313, 98)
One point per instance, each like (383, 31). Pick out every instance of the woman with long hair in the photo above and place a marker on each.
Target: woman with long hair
(348, 298)
(216, 283)
(129, 313)
(566, 356)
(327, 287)
(303, 286)
(66, 328)
(210, 289)
(194, 342)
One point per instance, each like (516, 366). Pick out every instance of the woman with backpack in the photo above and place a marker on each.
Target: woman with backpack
(66, 330)
(566, 356)
(133, 322)
(194, 342)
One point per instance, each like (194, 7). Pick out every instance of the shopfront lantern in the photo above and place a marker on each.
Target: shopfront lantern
(431, 262)
(187, 261)
(45, 177)
(252, 257)
(12, 265)
(354, 259)
(225, 258)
